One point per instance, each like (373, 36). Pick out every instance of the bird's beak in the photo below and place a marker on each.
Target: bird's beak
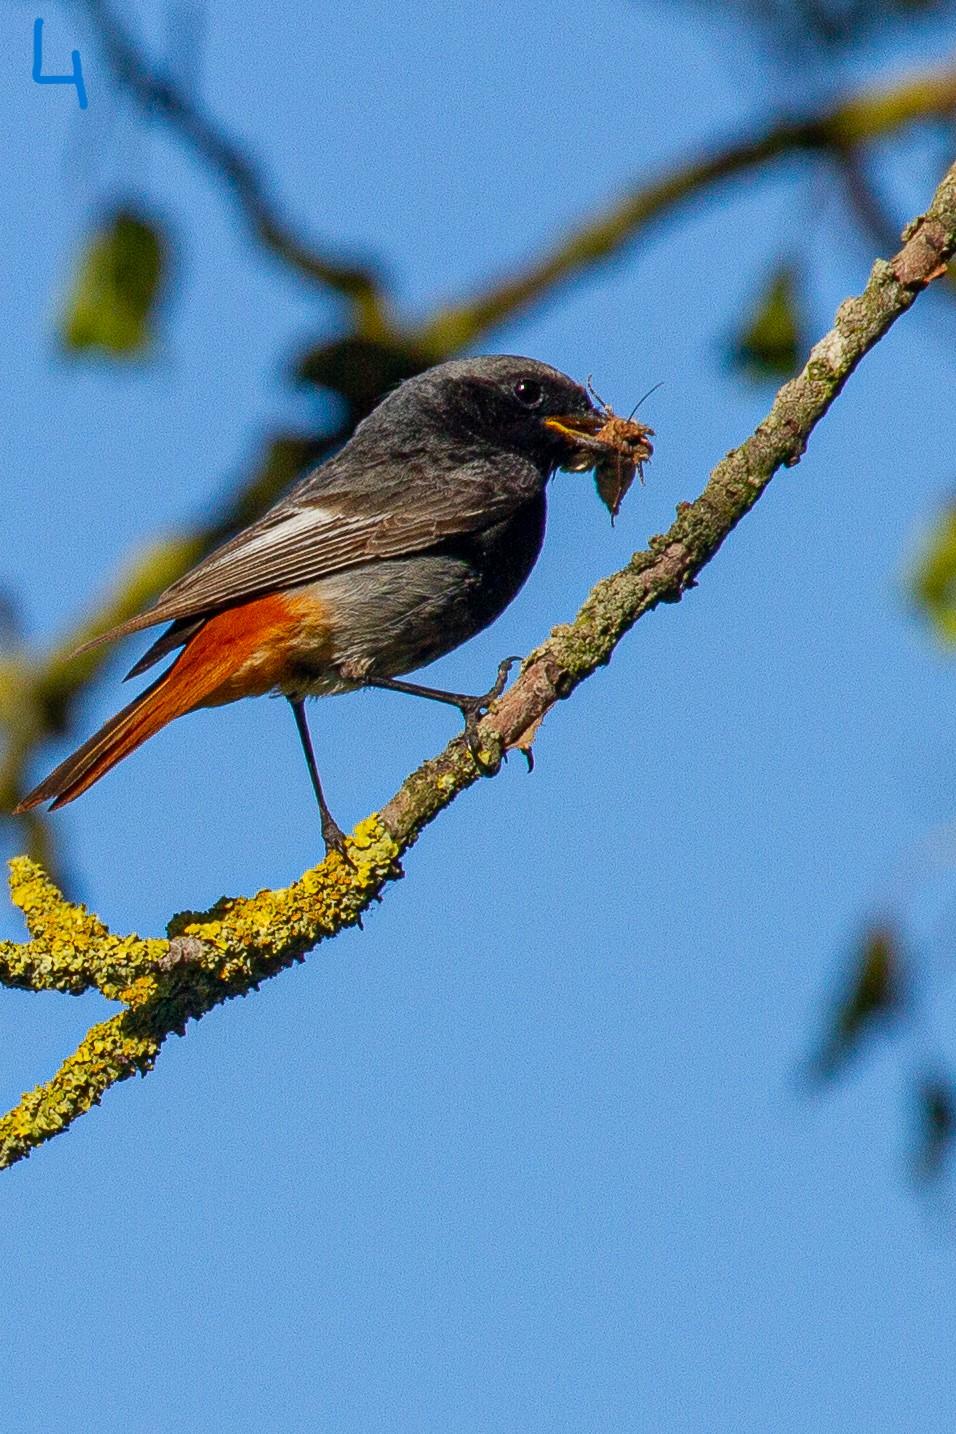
(576, 426)
(579, 431)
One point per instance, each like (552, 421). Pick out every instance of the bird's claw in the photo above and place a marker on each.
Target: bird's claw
(334, 838)
(478, 708)
(472, 719)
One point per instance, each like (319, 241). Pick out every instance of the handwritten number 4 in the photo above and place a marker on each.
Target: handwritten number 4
(75, 79)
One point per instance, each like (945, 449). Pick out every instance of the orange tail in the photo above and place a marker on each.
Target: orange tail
(121, 735)
(236, 653)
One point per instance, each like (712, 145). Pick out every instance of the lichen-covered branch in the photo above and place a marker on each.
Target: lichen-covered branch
(672, 561)
(211, 956)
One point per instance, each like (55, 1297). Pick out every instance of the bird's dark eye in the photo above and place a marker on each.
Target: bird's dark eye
(529, 392)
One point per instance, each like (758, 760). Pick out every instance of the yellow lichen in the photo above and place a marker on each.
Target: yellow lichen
(162, 984)
(111, 1052)
(70, 948)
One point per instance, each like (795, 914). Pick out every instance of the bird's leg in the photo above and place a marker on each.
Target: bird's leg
(332, 833)
(471, 708)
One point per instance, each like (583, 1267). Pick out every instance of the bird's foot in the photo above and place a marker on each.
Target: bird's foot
(473, 709)
(334, 838)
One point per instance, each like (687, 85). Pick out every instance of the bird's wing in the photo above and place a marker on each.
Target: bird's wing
(300, 541)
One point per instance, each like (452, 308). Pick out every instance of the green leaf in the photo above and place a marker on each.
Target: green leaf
(117, 288)
(934, 578)
(771, 343)
(872, 996)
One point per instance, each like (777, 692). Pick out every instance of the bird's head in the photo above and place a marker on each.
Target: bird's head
(496, 404)
(517, 417)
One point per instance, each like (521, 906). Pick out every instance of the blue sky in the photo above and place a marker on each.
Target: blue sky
(530, 1152)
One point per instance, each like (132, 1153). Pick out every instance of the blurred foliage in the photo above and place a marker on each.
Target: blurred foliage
(936, 1126)
(829, 24)
(10, 624)
(771, 343)
(933, 582)
(117, 288)
(873, 995)
(361, 369)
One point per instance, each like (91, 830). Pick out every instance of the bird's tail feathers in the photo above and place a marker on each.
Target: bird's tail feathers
(180, 689)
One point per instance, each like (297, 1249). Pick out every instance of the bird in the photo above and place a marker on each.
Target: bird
(412, 538)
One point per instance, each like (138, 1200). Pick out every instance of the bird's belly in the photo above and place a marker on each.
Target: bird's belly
(390, 616)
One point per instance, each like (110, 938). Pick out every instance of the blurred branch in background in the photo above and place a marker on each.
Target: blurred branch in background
(864, 119)
(156, 92)
(227, 951)
(829, 25)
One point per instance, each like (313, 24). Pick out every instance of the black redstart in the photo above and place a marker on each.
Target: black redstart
(411, 539)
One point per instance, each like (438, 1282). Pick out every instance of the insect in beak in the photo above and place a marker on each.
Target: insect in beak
(616, 448)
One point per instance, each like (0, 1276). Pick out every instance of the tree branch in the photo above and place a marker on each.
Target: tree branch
(228, 950)
(862, 119)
